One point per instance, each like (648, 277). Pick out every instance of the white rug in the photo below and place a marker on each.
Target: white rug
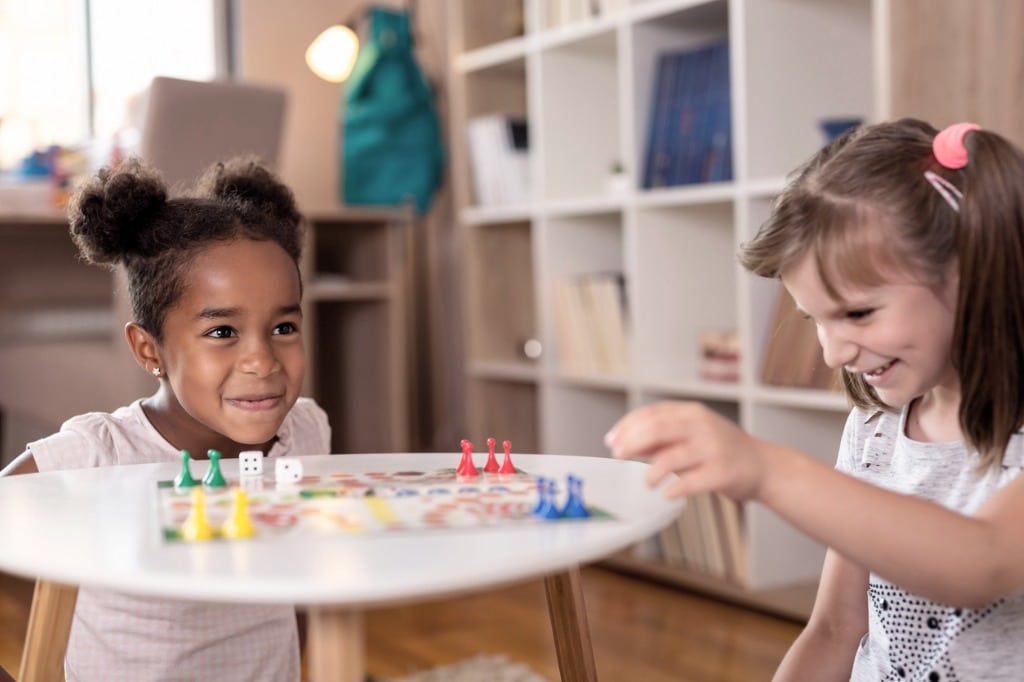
(491, 668)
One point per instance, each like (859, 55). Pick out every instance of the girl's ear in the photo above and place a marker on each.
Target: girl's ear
(143, 347)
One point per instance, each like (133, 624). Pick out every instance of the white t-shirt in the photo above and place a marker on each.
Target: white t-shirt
(116, 636)
(911, 638)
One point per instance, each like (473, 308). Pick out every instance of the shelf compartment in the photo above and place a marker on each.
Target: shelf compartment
(491, 168)
(504, 410)
(497, 89)
(587, 317)
(838, 81)
(54, 295)
(349, 252)
(501, 318)
(28, 282)
(688, 257)
(566, 407)
(486, 24)
(351, 362)
(670, 27)
(777, 553)
(583, 244)
(579, 147)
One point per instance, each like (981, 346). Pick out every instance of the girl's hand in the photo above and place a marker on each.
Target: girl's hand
(705, 450)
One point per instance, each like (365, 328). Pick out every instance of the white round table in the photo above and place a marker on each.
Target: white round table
(101, 528)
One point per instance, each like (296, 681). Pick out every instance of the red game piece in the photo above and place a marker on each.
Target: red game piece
(506, 466)
(466, 466)
(492, 463)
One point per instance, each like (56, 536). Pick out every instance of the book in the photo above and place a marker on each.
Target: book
(689, 136)
(686, 140)
(656, 156)
(717, 161)
(730, 524)
(793, 355)
(499, 159)
(589, 320)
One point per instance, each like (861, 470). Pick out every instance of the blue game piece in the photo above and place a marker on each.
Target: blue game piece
(546, 508)
(574, 507)
(542, 496)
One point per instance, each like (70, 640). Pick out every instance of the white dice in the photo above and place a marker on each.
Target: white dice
(250, 463)
(287, 470)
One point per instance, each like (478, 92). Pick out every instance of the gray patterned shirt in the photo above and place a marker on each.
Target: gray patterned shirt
(911, 638)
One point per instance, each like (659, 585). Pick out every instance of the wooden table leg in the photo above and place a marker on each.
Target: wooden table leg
(337, 649)
(569, 625)
(49, 624)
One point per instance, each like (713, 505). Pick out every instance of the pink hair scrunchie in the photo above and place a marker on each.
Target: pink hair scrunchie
(948, 145)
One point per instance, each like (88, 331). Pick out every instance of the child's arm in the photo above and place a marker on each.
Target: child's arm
(22, 464)
(825, 649)
(897, 536)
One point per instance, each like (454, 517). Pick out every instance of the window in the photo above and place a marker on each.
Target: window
(72, 72)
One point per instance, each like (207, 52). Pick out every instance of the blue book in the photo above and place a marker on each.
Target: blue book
(693, 118)
(717, 164)
(680, 115)
(656, 158)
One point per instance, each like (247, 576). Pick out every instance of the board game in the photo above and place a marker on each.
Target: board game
(340, 503)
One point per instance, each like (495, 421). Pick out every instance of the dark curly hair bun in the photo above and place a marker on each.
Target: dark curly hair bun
(247, 181)
(110, 212)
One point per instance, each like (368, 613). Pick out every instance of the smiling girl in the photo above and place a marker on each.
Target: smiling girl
(215, 292)
(905, 246)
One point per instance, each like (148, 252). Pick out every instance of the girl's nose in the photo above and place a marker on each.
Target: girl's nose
(837, 349)
(257, 358)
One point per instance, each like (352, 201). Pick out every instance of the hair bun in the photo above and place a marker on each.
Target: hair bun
(247, 181)
(108, 213)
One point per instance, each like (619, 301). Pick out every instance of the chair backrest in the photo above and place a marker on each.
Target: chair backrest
(190, 124)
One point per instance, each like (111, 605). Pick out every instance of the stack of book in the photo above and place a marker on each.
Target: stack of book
(590, 316)
(689, 136)
(719, 355)
(707, 538)
(499, 160)
(793, 355)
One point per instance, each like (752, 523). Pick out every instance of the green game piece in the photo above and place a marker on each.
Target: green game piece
(184, 478)
(214, 478)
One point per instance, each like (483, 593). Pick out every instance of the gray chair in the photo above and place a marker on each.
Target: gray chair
(188, 125)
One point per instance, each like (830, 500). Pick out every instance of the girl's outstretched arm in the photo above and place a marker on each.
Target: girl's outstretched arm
(22, 464)
(825, 649)
(896, 536)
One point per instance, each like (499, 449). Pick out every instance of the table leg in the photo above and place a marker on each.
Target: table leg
(569, 625)
(49, 624)
(336, 646)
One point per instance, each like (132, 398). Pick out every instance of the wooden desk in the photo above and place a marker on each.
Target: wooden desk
(334, 576)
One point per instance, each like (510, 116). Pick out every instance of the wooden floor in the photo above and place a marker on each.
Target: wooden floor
(640, 631)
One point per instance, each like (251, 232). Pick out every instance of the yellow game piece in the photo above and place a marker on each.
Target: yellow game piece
(196, 527)
(238, 525)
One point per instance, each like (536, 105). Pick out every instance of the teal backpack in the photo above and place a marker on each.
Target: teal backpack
(391, 138)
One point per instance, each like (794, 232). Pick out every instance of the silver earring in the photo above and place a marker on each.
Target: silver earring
(156, 371)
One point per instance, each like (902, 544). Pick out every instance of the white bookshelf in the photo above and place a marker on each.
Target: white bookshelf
(586, 89)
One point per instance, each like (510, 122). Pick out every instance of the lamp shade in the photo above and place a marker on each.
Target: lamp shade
(332, 54)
